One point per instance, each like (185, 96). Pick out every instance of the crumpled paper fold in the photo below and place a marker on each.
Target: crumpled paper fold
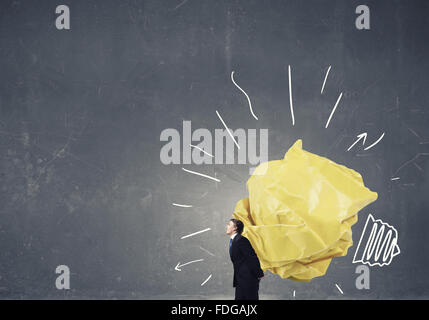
(300, 211)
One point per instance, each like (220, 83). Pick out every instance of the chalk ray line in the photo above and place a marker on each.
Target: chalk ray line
(206, 280)
(193, 234)
(338, 287)
(290, 96)
(182, 205)
(201, 174)
(229, 132)
(201, 150)
(333, 110)
(324, 81)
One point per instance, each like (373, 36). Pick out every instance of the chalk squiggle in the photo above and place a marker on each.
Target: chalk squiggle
(378, 243)
(248, 99)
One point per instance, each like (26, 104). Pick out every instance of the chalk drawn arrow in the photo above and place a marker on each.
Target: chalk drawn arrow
(177, 268)
(359, 136)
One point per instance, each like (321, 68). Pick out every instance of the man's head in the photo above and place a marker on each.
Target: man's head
(234, 226)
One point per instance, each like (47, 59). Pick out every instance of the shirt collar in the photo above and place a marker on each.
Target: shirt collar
(232, 237)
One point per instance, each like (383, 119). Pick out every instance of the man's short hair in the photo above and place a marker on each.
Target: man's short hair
(239, 225)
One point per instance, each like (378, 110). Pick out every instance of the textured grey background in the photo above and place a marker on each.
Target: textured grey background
(81, 112)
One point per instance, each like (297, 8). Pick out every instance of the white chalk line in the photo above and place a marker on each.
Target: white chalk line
(202, 150)
(290, 95)
(181, 265)
(333, 110)
(248, 99)
(324, 81)
(378, 140)
(230, 134)
(182, 205)
(359, 136)
(206, 280)
(193, 234)
(201, 174)
(338, 287)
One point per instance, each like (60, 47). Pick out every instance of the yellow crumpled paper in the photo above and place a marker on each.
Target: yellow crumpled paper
(299, 212)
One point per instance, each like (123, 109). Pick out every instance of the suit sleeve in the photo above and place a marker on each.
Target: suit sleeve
(250, 254)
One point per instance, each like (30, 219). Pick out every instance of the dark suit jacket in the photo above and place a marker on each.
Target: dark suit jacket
(247, 268)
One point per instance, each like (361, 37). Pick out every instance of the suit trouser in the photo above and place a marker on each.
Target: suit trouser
(247, 293)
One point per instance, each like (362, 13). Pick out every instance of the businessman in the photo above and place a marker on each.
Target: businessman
(247, 270)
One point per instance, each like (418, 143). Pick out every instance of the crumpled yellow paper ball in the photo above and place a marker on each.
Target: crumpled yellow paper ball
(300, 211)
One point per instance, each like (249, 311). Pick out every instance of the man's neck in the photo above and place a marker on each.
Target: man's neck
(233, 235)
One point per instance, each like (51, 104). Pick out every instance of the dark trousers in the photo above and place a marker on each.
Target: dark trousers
(247, 293)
